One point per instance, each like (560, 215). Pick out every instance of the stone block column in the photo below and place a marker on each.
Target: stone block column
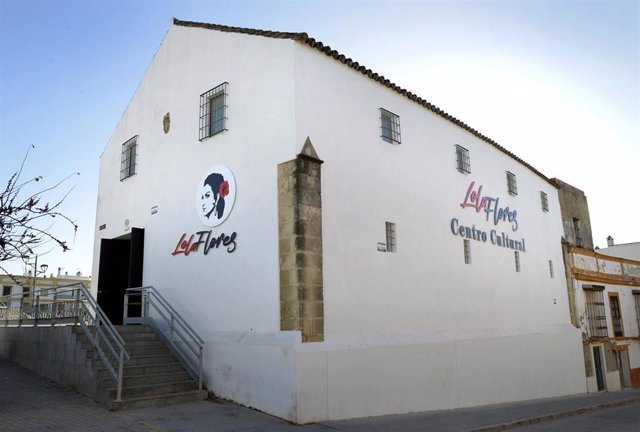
(300, 245)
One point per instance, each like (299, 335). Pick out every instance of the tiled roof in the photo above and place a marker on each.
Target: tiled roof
(305, 39)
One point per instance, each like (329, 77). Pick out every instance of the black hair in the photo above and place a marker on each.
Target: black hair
(214, 180)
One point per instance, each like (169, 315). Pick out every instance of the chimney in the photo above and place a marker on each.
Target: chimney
(609, 241)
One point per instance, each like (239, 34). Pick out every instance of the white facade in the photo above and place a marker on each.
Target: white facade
(615, 283)
(412, 330)
(625, 250)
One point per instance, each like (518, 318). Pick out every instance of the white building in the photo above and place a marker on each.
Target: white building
(607, 292)
(304, 314)
(623, 250)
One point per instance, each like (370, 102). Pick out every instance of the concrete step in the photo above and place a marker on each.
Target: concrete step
(135, 351)
(135, 391)
(86, 344)
(133, 329)
(158, 400)
(140, 380)
(151, 369)
(146, 360)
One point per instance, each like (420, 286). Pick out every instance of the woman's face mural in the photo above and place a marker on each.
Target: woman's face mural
(216, 195)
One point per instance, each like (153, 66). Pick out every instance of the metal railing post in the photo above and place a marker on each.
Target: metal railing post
(20, 311)
(120, 368)
(200, 369)
(125, 312)
(36, 307)
(54, 308)
(77, 311)
(172, 326)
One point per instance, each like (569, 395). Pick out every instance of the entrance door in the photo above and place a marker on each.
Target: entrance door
(625, 368)
(597, 360)
(120, 268)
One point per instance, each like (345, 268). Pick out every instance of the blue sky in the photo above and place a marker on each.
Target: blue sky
(557, 83)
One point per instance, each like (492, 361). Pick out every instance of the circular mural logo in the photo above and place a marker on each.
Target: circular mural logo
(216, 195)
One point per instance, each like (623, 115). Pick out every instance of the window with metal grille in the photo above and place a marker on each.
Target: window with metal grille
(6, 290)
(128, 161)
(213, 111)
(576, 232)
(512, 186)
(25, 291)
(517, 257)
(391, 236)
(616, 315)
(551, 269)
(462, 160)
(390, 128)
(636, 297)
(545, 201)
(596, 318)
(467, 251)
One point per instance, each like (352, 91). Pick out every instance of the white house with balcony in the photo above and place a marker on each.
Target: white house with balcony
(343, 247)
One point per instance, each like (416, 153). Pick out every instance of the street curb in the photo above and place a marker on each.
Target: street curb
(555, 416)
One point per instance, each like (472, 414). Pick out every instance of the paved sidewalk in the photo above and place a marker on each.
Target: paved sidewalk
(29, 403)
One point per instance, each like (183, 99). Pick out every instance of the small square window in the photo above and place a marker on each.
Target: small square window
(391, 236)
(551, 269)
(462, 160)
(6, 290)
(25, 291)
(512, 186)
(517, 257)
(213, 111)
(129, 156)
(467, 251)
(545, 201)
(390, 126)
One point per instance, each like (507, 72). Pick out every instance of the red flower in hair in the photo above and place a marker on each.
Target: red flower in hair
(224, 189)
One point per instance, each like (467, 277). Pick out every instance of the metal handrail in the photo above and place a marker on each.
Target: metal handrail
(78, 308)
(177, 327)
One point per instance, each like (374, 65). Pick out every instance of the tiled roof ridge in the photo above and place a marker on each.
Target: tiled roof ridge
(305, 39)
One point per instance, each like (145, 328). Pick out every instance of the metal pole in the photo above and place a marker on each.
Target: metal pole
(120, 367)
(54, 307)
(36, 306)
(200, 368)
(20, 314)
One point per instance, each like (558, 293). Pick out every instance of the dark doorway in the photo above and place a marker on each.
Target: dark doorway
(597, 359)
(121, 265)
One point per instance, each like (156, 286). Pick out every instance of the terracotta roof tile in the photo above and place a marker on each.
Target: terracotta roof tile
(311, 42)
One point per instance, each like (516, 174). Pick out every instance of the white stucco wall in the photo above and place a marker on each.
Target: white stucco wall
(231, 299)
(418, 329)
(406, 331)
(626, 250)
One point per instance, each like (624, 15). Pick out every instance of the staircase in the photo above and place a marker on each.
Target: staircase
(151, 377)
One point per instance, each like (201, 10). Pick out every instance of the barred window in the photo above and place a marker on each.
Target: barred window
(391, 236)
(213, 111)
(390, 126)
(129, 156)
(467, 251)
(517, 257)
(545, 201)
(596, 318)
(551, 269)
(616, 315)
(25, 291)
(462, 160)
(636, 298)
(512, 186)
(6, 290)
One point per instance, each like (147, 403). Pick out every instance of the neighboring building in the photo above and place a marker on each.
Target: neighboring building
(604, 294)
(345, 248)
(625, 250)
(14, 285)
